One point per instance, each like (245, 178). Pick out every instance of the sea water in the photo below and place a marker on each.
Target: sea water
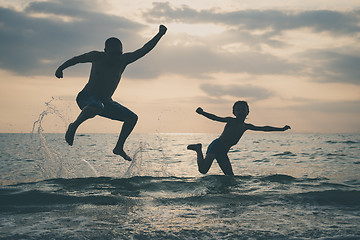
(287, 186)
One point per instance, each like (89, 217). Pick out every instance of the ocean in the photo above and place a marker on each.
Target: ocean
(287, 186)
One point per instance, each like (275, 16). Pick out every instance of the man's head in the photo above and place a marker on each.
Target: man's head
(113, 45)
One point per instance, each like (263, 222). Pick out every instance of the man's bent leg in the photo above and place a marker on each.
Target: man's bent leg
(116, 111)
(127, 128)
(87, 113)
(90, 106)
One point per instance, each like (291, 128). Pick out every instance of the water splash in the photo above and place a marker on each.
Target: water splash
(49, 109)
(135, 168)
(52, 164)
(164, 166)
(142, 163)
(91, 167)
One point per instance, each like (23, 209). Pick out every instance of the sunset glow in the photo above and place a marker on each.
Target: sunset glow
(295, 63)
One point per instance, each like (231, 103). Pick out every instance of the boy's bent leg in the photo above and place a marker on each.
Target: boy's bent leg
(86, 113)
(204, 164)
(195, 147)
(225, 165)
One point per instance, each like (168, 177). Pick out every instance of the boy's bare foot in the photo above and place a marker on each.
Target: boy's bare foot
(195, 147)
(121, 153)
(69, 135)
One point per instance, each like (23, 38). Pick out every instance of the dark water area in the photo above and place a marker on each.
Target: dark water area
(208, 207)
(297, 186)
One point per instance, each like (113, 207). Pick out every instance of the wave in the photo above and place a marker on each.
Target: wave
(35, 197)
(331, 197)
(138, 183)
(207, 190)
(343, 142)
(286, 153)
(279, 178)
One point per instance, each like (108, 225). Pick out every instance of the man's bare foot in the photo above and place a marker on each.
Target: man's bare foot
(69, 135)
(195, 147)
(121, 153)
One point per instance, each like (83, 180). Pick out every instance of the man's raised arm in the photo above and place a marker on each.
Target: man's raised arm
(133, 56)
(87, 57)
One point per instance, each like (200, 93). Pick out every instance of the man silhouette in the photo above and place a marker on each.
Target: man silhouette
(95, 98)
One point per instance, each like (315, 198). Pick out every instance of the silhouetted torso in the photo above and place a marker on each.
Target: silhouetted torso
(233, 131)
(105, 73)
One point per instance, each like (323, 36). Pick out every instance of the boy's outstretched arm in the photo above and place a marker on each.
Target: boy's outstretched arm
(211, 116)
(133, 56)
(268, 128)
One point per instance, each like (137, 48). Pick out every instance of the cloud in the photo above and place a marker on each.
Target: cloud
(330, 106)
(202, 61)
(259, 28)
(334, 66)
(35, 41)
(277, 20)
(251, 92)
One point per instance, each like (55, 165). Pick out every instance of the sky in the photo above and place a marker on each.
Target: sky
(295, 62)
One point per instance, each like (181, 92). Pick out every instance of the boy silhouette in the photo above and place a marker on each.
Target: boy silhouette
(233, 131)
(96, 97)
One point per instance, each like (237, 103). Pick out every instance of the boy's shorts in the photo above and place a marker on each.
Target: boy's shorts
(110, 108)
(217, 148)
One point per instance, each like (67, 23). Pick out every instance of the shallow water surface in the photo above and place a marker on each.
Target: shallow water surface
(288, 186)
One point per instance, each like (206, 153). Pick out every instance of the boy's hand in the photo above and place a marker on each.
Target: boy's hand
(59, 73)
(286, 127)
(162, 29)
(199, 110)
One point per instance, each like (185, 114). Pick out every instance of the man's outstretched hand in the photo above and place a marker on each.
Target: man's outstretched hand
(199, 110)
(59, 73)
(162, 29)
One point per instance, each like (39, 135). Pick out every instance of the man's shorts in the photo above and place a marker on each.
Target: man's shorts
(217, 148)
(109, 108)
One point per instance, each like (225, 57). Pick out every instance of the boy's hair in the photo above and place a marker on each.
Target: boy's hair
(113, 44)
(244, 103)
